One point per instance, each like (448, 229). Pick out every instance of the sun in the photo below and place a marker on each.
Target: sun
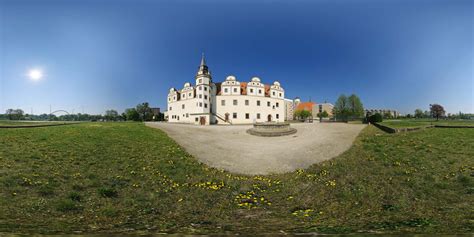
(35, 74)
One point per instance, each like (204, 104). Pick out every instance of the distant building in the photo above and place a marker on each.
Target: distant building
(289, 109)
(155, 111)
(308, 106)
(320, 107)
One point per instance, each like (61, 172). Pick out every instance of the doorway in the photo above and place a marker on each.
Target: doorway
(269, 118)
(227, 117)
(202, 121)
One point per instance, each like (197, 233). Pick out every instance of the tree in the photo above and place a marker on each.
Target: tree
(418, 113)
(111, 115)
(14, 114)
(341, 110)
(132, 114)
(145, 112)
(302, 114)
(355, 107)
(437, 111)
(323, 114)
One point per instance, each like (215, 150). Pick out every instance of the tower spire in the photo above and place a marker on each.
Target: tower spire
(203, 69)
(203, 60)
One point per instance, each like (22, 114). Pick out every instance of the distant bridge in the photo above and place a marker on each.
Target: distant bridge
(57, 111)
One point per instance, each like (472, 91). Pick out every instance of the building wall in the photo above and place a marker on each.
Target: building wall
(276, 108)
(289, 109)
(319, 107)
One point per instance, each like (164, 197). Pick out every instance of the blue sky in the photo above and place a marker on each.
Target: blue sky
(114, 54)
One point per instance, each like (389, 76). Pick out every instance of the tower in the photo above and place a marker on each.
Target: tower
(205, 91)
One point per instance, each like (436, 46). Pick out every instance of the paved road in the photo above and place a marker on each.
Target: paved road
(232, 149)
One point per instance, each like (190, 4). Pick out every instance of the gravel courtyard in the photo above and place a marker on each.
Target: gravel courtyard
(232, 149)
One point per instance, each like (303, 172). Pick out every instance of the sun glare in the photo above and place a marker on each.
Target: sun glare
(35, 74)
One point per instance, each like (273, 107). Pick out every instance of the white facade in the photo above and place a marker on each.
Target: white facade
(229, 102)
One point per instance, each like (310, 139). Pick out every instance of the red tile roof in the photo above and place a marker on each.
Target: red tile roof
(305, 106)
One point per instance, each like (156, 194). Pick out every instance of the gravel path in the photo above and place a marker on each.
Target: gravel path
(232, 149)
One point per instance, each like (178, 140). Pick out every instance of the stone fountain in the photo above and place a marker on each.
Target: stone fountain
(271, 129)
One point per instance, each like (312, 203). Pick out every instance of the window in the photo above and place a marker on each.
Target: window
(235, 102)
(260, 91)
(280, 94)
(247, 116)
(277, 104)
(258, 102)
(246, 102)
(174, 97)
(200, 81)
(187, 115)
(200, 104)
(199, 87)
(205, 97)
(251, 90)
(205, 88)
(273, 93)
(189, 95)
(278, 116)
(200, 96)
(182, 106)
(223, 102)
(226, 90)
(196, 119)
(171, 108)
(268, 103)
(258, 116)
(205, 105)
(184, 96)
(235, 90)
(234, 115)
(169, 98)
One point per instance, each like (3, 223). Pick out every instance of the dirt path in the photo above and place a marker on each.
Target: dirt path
(232, 149)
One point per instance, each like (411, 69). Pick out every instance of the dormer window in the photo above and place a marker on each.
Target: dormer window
(226, 90)
(251, 90)
(235, 89)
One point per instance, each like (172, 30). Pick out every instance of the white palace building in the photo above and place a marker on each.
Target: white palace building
(229, 102)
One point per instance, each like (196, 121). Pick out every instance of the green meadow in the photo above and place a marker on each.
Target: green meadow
(410, 123)
(129, 178)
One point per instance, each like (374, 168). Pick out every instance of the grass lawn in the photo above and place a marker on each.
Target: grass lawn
(125, 177)
(27, 123)
(409, 123)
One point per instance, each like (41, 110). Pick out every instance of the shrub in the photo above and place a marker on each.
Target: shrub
(375, 118)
